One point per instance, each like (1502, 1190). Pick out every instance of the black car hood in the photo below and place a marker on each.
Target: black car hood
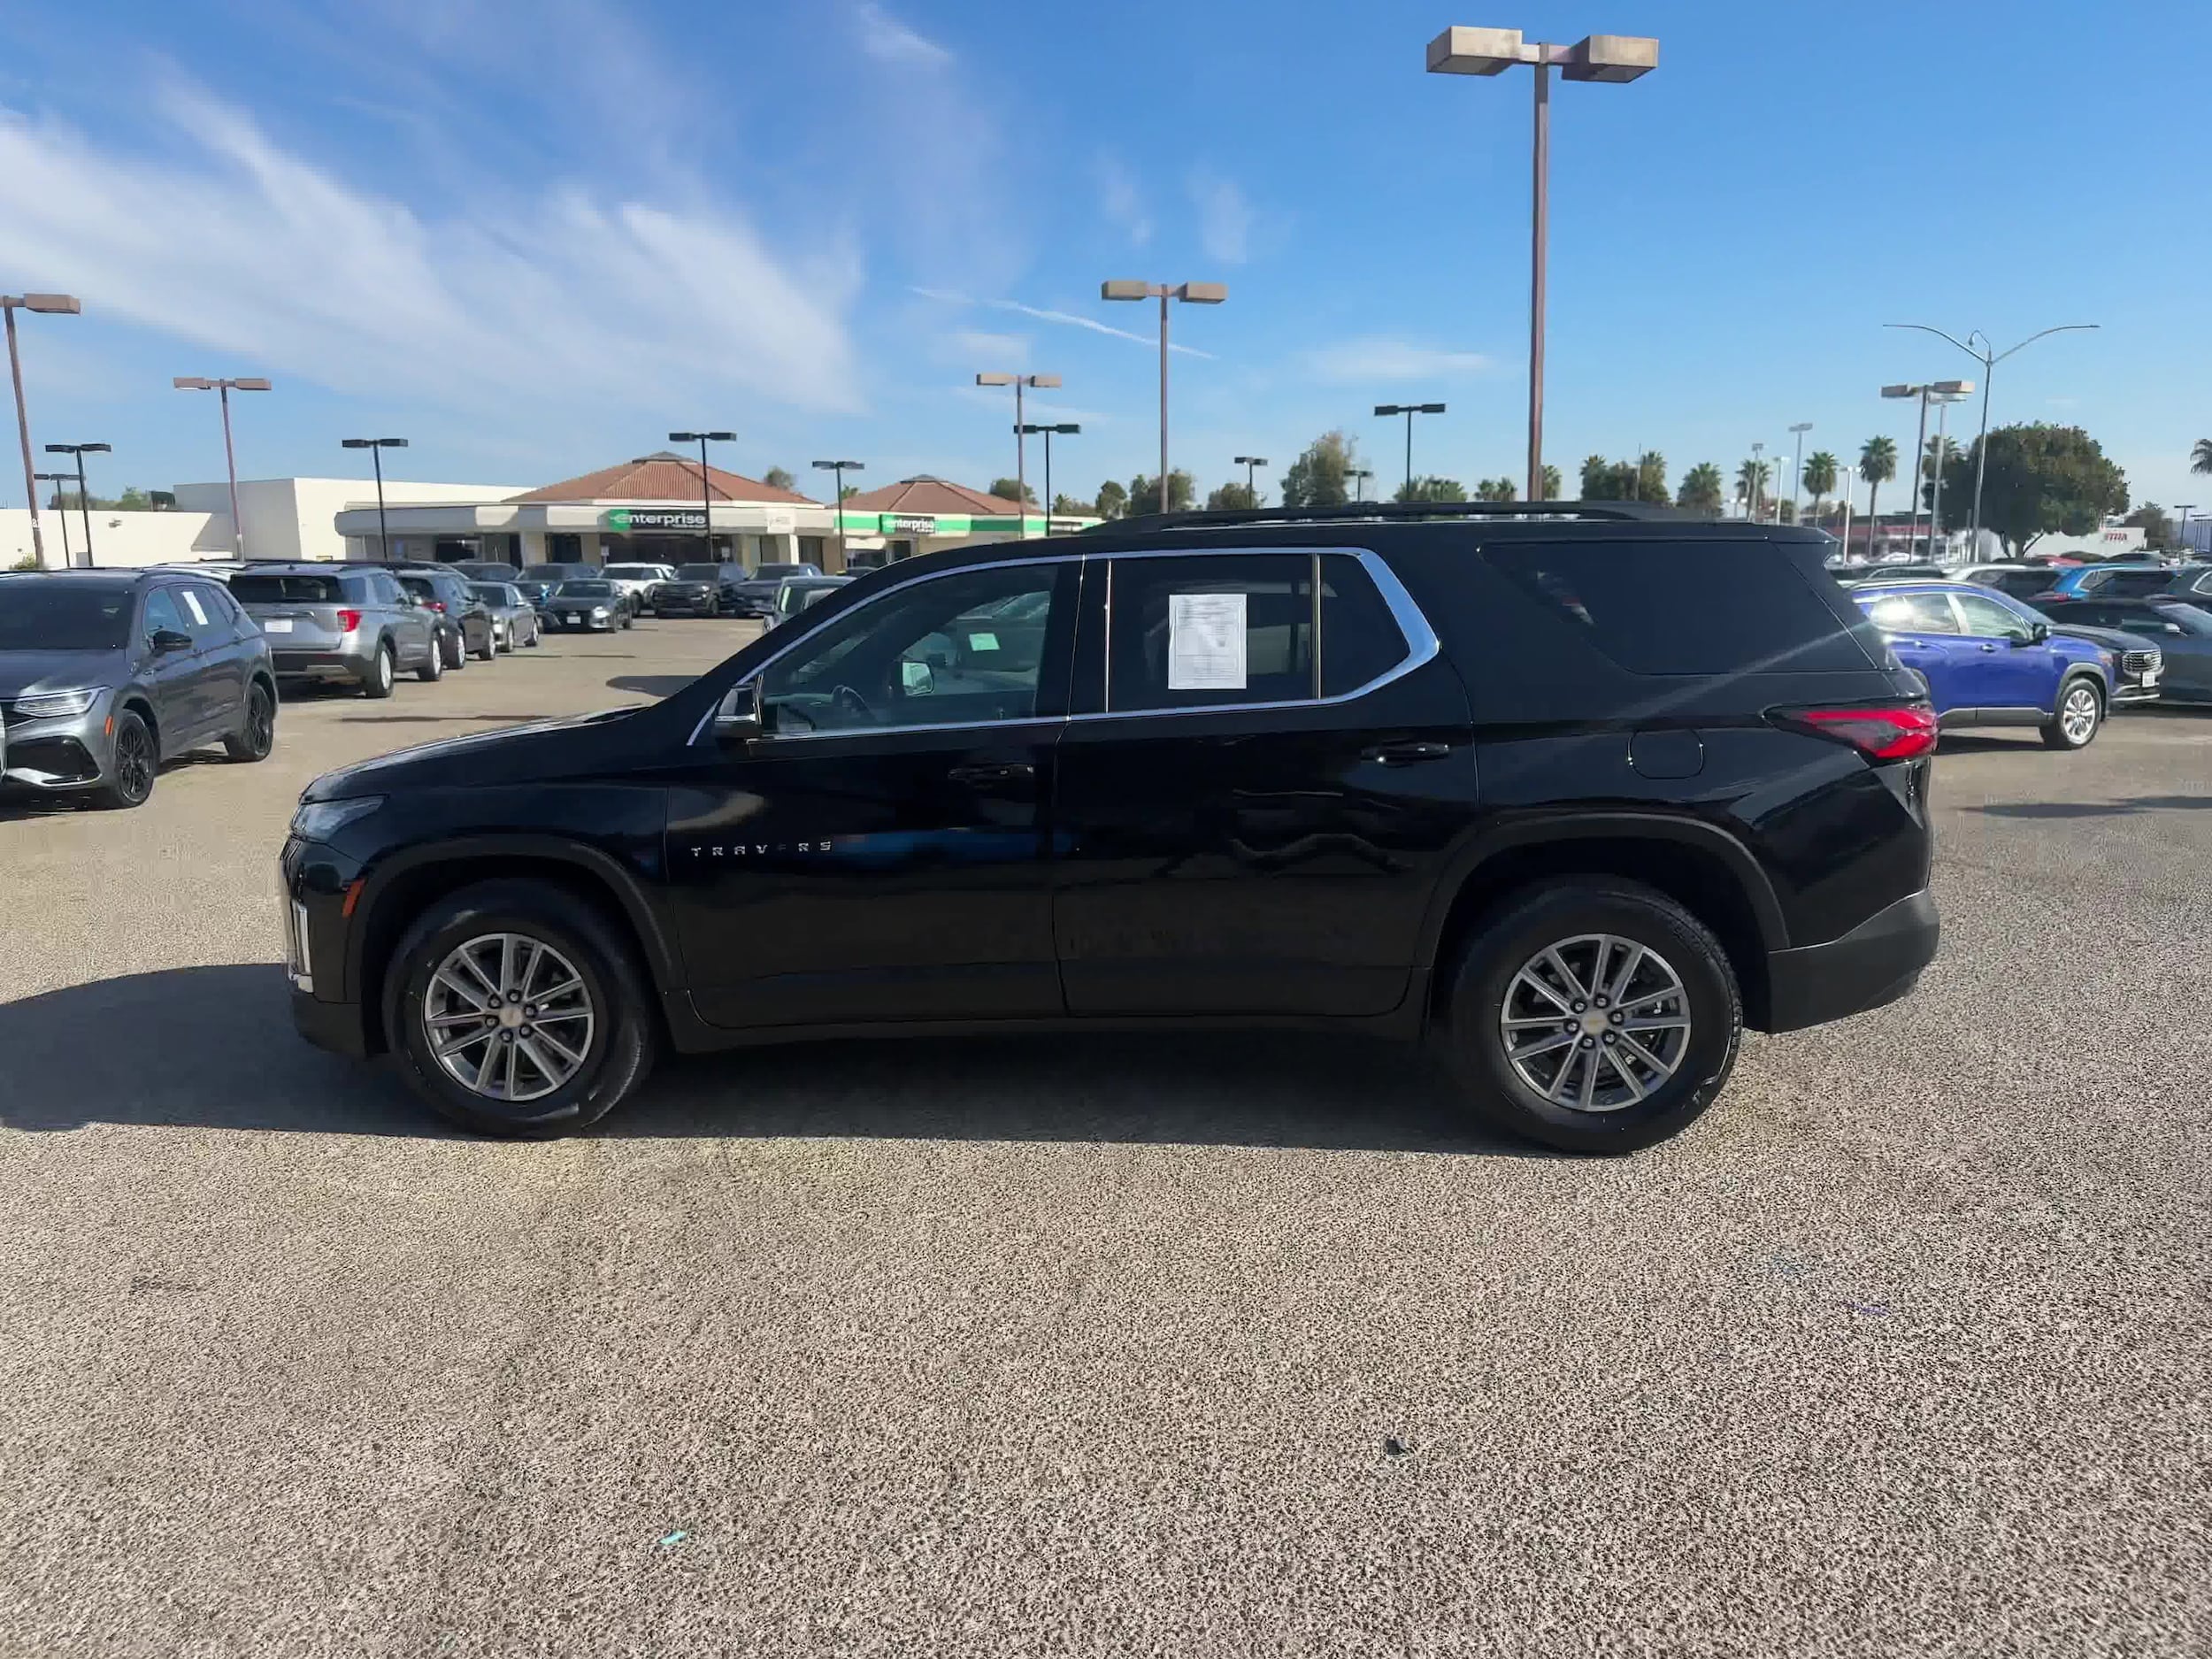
(543, 751)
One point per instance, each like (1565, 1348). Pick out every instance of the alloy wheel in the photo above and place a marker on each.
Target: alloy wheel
(260, 722)
(134, 762)
(509, 1018)
(2077, 719)
(1595, 1023)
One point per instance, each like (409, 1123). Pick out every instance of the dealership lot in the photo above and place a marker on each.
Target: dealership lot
(1185, 1345)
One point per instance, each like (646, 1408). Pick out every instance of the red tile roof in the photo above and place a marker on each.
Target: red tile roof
(661, 477)
(930, 495)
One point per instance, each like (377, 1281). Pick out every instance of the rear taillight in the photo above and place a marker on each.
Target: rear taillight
(438, 605)
(1893, 732)
(348, 621)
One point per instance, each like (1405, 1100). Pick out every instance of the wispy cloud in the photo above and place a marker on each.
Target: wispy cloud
(1120, 201)
(1070, 320)
(307, 272)
(989, 348)
(888, 41)
(1382, 357)
(1224, 217)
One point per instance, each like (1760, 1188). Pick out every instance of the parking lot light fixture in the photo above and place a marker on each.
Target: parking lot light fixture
(1943, 394)
(58, 304)
(376, 447)
(244, 383)
(84, 495)
(60, 512)
(706, 490)
(1064, 427)
(1249, 463)
(1408, 411)
(1797, 469)
(1045, 382)
(1607, 57)
(1758, 477)
(1358, 477)
(837, 496)
(1189, 294)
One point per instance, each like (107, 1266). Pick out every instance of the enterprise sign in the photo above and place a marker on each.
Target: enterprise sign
(910, 523)
(657, 518)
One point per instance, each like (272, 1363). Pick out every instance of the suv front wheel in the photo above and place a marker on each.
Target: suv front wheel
(519, 1011)
(2079, 713)
(1592, 1015)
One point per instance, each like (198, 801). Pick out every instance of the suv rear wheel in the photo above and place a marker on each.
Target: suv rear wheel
(520, 1010)
(1592, 1015)
(2080, 713)
(377, 684)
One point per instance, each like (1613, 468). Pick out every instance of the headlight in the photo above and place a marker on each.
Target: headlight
(598, 612)
(319, 820)
(49, 705)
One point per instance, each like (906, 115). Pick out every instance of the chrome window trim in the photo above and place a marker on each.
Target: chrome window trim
(1422, 645)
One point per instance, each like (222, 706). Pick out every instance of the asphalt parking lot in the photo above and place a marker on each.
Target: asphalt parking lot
(1101, 1345)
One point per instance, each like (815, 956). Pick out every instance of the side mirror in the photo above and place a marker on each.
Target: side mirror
(170, 640)
(2038, 632)
(739, 719)
(917, 680)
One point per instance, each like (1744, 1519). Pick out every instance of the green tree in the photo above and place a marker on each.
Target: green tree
(778, 478)
(1317, 478)
(1009, 489)
(1651, 477)
(1231, 497)
(1113, 500)
(1144, 493)
(1551, 482)
(1751, 483)
(1431, 489)
(2201, 455)
(1597, 479)
(1066, 506)
(1878, 464)
(1930, 461)
(1494, 489)
(133, 500)
(2041, 480)
(1820, 476)
(2157, 527)
(1702, 488)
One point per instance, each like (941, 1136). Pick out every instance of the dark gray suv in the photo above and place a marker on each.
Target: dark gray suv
(105, 674)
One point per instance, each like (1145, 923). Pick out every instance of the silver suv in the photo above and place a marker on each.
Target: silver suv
(329, 624)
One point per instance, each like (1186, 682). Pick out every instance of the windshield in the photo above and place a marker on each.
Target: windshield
(634, 573)
(585, 590)
(495, 592)
(554, 572)
(699, 573)
(41, 614)
(777, 572)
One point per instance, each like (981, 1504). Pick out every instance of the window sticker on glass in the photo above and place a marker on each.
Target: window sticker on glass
(192, 603)
(1205, 643)
(983, 641)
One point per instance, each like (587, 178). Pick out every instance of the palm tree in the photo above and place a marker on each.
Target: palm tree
(1495, 489)
(1751, 479)
(1702, 488)
(1651, 477)
(2200, 457)
(1820, 476)
(1878, 464)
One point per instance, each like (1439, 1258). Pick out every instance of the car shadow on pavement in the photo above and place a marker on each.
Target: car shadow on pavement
(2094, 809)
(214, 1048)
(651, 685)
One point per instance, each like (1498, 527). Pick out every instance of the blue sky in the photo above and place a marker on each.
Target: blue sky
(533, 237)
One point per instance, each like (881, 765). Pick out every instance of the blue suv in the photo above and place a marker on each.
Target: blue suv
(1991, 661)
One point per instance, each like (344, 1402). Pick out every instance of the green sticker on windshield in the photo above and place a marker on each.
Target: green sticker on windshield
(983, 641)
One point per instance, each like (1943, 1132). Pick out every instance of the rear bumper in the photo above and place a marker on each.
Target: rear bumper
(320, 665)
(1877, 961)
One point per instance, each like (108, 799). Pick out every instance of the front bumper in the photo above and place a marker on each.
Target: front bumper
(55, 756)
(1877, 961)
(565, 621)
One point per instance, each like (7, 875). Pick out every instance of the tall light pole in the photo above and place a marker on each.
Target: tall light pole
(1943, 402)
(1063, 429)
(2181, 528)
(249, 383)
(1797, 471)
(1043, 382)
(706, 490)
(1249, 462)
(1758, 477)
(837, 490)
(1989, 360)
(1613, 57)
(68, 560)
(376, 447)
(1408, 411)
(84, 494)
(1190, 294)
(1920, 444)
(1359, 475)
(59, 305)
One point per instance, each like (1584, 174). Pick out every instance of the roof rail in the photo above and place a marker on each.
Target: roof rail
(1626, 510)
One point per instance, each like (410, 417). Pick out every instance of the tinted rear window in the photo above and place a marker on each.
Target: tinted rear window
(2136, 581)
(1685, 607)
(251, 588)
(41, 614)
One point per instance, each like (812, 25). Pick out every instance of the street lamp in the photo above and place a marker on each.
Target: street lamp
(1989, 360)
(1614, 57)
(1359, 475)
(84, 495)
(61, 512)
(706, 490)
(1064, 428)
(1408, 411)
(1758, 477)
(376, 447)
(2182, 529)
(1919, 447)
(1943, 401)
(1797, 471)
(1044, 383)
(1190, 294)
(60, 305)
(1249, 462)
(250, 383)
(837, 490)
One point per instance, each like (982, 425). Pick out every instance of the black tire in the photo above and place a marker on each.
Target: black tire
(456, 652)
(137, 763)
(432, 669)
(2092, 707)
(1550, 914)
(537, 638)
(491, 647)
(623, 1036)
(255, 736)
(379, 684)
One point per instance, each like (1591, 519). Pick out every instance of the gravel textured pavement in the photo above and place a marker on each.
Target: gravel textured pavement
(1106, 1346)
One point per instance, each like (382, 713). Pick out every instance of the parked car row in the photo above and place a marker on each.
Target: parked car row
(363, 626)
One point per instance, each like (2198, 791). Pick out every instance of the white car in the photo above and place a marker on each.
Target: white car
(636, 583)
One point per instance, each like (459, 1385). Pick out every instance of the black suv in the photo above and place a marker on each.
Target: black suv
(462, 621)
(1576, 792)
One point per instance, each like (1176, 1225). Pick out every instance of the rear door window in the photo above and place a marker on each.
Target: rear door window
(1208, 631)
(1987, 620)
(1687, 607)
(1912, 613)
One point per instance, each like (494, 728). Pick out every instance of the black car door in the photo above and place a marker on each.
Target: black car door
(880, 852)
(1249, 823)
